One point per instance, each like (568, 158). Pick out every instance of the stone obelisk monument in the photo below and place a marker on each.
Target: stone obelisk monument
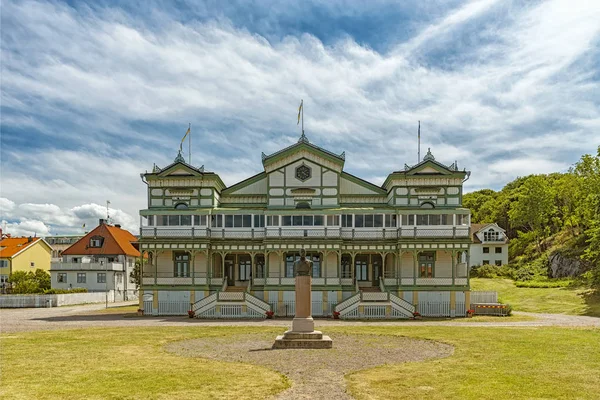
(303, 334)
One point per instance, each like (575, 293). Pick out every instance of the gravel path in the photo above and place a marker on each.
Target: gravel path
(315, 374)
(86, 316)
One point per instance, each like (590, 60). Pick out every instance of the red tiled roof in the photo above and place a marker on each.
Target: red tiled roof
(11, 246)
(117, 241)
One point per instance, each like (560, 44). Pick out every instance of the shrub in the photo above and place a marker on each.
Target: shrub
(492, 271)
(29, 282)
(65, 291)
(544, 284)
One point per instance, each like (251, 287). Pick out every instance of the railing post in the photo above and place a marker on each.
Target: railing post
(207, 231)
(222, 233)
(453, 232)
(415, 232)
(352, 233)
(325, 231)
(192, 232)
(279, 231)
(155, 233)
(384, 233)
(252, 233)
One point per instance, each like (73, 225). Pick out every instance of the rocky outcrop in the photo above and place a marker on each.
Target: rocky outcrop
(561, 266)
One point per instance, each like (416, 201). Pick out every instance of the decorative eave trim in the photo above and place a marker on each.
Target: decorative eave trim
(303, 145)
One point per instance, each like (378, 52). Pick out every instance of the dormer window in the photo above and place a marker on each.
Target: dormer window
(491, 235)
(96, 241)
(181, 206)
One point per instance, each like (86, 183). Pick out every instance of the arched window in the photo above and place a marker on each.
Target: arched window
(181, 206)
(427, 205)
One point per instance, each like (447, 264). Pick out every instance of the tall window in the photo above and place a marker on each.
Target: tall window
(292, 258)
(259, 221)
(61, 277)
(462, 219)
(347, 221)
(216, 221)
(491, 235)
(333, 220)
(302, 220)
(81, 277)
(390, 221)
(238, 221)
(498, 250)
(200, 220)
(182, 265)
(408, 220)
(346, 266)
(426, 264)
(260, 266)
(244, 268)
(361, 264)
(272, 220)
(101, 277)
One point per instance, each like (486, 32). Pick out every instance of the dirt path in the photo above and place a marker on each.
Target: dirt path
(315, 374)
(87, 316)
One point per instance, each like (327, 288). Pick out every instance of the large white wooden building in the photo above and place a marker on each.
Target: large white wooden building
(378, 251)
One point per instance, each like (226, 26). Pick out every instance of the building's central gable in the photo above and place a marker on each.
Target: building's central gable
(303, 183)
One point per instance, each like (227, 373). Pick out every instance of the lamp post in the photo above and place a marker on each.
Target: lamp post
(105, 281)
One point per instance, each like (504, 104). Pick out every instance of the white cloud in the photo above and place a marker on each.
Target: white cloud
(528, 93)
(26, 228)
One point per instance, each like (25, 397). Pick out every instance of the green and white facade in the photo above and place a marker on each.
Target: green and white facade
(378, 251)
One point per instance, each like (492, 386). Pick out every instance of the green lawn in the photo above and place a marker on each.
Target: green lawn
(490, 363)
(573, 301)
(499, 363)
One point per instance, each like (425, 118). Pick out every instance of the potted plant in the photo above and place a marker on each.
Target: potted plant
(269, 314)
(470, 313)
(336, 315)
(140, 312)
(417, 315)
(191, 313)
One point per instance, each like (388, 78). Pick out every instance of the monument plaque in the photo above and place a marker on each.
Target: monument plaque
(303, 334)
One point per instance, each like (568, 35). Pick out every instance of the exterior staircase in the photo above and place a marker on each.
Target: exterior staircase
(231, 302)
(374, 303)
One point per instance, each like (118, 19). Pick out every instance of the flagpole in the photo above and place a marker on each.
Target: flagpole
(190, 144)
(419, 140)
(302, 103)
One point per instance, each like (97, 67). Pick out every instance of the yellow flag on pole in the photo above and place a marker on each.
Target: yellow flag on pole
(299, 112)
(186, 133)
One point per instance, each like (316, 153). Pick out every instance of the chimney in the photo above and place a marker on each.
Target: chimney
(29, 239)
(102, 221)
(118, 226)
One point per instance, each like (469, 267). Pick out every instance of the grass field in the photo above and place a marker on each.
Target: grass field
(499, 363)
(565, 300)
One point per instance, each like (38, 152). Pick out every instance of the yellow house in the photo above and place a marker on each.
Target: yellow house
(23, 254)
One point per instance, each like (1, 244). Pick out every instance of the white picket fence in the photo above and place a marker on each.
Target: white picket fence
(484, 297)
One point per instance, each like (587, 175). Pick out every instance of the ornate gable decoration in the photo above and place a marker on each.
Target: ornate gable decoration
(303, 149)
(303, 172)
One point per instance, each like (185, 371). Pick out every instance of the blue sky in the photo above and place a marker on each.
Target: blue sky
(94, 93)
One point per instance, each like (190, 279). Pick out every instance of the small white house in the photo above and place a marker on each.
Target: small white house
(490, 245)
(101, 261)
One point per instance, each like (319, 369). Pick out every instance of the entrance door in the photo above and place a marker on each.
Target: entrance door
(230, 272)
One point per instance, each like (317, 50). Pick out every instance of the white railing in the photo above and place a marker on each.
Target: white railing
(255, 311)
(92, 266)
(374, 312)
(402, 305)
(272, 281)
(346, 281)
(318, 281)
(460, 281)
(407, 281)
(200, 305)
(231, 311)
(389, 281)
(258, 303)
(216, 281)
(174, 281)
(230, 296)
(370, 296)
(434, 308)
(259, 281)
(288, 281)
(348, 302)
(484, 297)
(381, 285)
(306, 232)
(434, 281)
(147, 280)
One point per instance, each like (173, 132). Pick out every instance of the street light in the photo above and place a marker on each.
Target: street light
(105, 281)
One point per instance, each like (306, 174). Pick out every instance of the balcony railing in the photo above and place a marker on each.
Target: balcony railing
(57, 266)
(318, 233)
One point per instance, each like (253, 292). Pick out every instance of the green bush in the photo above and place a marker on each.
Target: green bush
(65, 291)
(29, 282)
(544, 284)
(492, 271)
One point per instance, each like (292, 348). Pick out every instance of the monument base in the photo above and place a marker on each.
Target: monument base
(303, 324)
(303, 340)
